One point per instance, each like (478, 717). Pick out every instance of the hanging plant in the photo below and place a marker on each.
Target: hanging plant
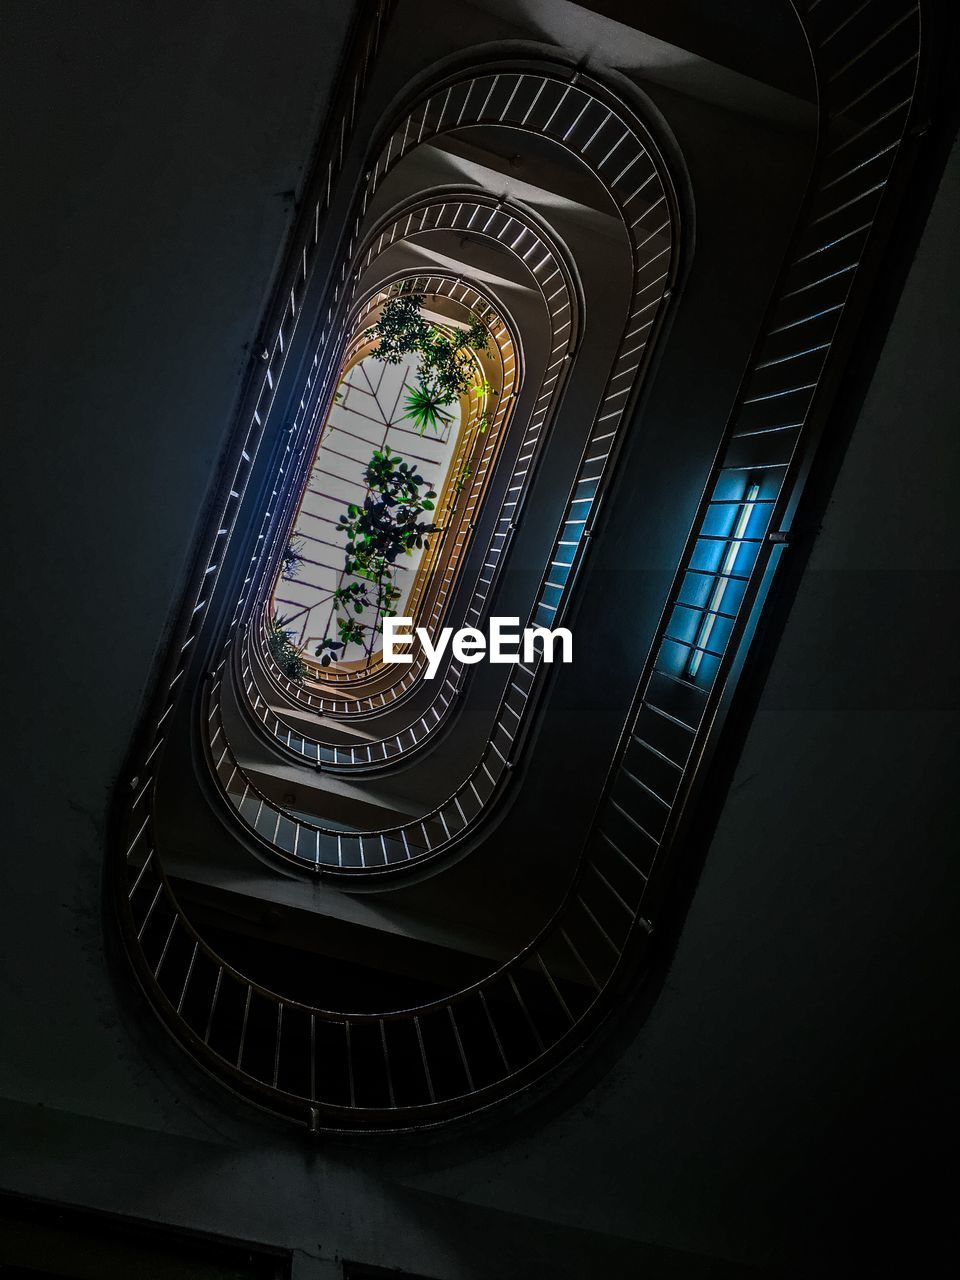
(387, 525)
(445, 355)
(292, 557)
(355, 596)
(327, 650)
(401, 329)
(466, 472)
(351, 631)
(285, 653)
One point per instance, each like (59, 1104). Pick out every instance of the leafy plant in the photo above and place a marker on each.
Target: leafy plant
(293, 558)
(445, 355)
(355, 596)
(351, 631)
(386, 526)
(326, 650)
(425, 409)
(285, 653)
(401, 329)
(465, 473)
(446, 362)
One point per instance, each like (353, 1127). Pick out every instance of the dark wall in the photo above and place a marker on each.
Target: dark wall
(796, 1050)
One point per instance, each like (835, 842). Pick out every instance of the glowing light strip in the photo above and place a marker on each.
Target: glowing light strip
(720, 586)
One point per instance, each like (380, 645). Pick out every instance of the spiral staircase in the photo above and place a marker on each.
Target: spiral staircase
(375, 902)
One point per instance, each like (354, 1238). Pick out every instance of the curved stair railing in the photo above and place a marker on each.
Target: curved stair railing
(492, 1039)
(652, 276)
(456, 519)
(584, 118)
(548, 274)
(263, 700)
(314, 696)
